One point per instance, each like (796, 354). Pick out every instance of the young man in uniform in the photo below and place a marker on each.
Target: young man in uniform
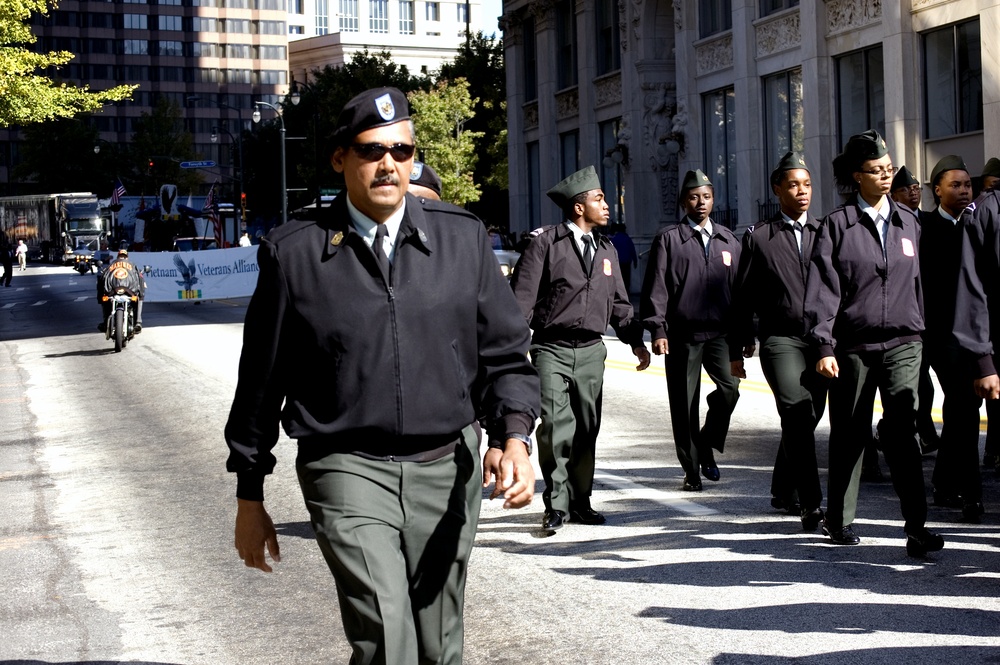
(771, 283)
(956, 480)
(374, 336)
(569, 286)
(991, 451)
(906, 190)
(686, 297)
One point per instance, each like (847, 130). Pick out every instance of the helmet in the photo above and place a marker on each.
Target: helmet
(122, 253)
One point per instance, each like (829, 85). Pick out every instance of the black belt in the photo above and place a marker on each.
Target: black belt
(378, 446)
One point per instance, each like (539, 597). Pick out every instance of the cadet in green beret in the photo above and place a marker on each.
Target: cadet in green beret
(771, 285)
(991, 173)
(864, 312)
(956, 481)
(906, 189)
(569, 285)
(685, 304)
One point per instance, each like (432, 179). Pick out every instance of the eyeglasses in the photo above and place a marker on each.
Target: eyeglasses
(372, 152)
(882, 173)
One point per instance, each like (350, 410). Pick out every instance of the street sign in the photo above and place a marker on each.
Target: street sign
(197, 165)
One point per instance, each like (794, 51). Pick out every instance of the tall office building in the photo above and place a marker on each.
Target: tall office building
(229, 53)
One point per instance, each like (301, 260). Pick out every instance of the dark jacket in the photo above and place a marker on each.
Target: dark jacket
(977, 299)
(564, 305)
(858, 299)
(940, 257)
(353, 364)
(771, 280)
(686, 295)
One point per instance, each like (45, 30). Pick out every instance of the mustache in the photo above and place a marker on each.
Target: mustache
(387, 179)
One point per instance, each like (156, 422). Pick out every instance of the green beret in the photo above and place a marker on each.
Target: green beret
(903, 179)
(582, 181)
(372, 108)
(992, 168)
(864, 146)
(693, 179)
(423, 175)
(947, 163)
(789, 162)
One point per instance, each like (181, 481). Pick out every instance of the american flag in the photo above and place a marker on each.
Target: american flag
(117, 193)
(212, 208)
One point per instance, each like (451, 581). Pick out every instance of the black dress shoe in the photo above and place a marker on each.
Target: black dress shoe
(692, 484)
(972, 512)
(552, 520)
(812, 519)
(919, 544)
(944, 499)
(842, 536)
(586, 516)
(137, 328)
(711, 472)
(790, 506)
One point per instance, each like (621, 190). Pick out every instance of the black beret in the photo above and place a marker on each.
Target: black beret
(903, 179)
(992, 168)
(423, 175)
(372, 108)
(947, 163)
(582, 181)
(694, 179)
(789, 162)
(864, 146)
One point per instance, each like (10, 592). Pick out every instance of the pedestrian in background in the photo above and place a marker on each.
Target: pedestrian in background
(22, 255)
(864, 311)
(685, 304)
(8, 263)
(569, 287)
(628, 258)
(379, 378)
(771, 284)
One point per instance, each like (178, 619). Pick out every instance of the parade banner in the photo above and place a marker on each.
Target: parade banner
(211, 274)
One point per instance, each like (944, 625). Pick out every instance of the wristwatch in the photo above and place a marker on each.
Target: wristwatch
(520, 437)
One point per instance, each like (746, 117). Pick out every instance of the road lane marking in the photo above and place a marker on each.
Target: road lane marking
(640, 491)
(81, 299)
(45, 286)
(9, 305)
(40, 302)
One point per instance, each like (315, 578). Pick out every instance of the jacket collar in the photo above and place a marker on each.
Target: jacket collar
(340, 231)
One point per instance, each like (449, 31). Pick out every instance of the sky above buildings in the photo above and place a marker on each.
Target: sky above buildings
(491, 9)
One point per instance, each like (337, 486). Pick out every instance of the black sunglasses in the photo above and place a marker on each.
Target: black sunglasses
(372, 152)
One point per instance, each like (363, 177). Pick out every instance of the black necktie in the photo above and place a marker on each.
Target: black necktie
(797, 233)
(381, 233)
(588, 253)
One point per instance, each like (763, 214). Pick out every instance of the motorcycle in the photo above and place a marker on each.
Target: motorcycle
(83, 262)
(121, 322)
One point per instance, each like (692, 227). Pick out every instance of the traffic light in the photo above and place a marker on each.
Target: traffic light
(152, 164)
(243, 205)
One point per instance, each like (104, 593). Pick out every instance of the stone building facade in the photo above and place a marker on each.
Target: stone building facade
(647, 89)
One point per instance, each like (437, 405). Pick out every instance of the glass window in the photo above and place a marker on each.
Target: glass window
(534, 186)
(783, 119)
(349, 21)
(772, 6)
(135, 22)
(135, 47)
(720, 146)
(530, 60)
(432, 11)
(608, 37)
(462, 15)
(169, 22)
(953, 84)
(237, 50)
(296, 29)
(296, 7)
(714, 16)
(611, 170)
(860, 93)
(406, 26)
(569, 153)
(170, 48)
(566, 44)
(378, 16)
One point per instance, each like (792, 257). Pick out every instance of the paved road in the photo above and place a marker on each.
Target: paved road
(116, 522)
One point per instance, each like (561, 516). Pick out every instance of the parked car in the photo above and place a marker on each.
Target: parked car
(194, 244)
(506, 256)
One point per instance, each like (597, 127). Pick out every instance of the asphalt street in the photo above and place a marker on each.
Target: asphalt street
(116, 527)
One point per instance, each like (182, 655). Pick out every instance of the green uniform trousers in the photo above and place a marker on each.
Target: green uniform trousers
(693, 441)
(789, 365)
(397, 537)
(896, 374)
(572, 381)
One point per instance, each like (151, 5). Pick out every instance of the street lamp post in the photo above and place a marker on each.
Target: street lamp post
(284, 189)
(239, 149)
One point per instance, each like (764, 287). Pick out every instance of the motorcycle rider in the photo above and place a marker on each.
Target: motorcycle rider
(121, 273)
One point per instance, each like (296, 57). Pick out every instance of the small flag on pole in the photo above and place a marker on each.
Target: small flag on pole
(212, 208)
(117, 193)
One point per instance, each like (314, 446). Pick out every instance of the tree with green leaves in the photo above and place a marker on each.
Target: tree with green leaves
(440, 116)
(27, 96)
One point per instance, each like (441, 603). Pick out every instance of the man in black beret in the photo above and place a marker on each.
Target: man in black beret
(569, 285)
(956, 480)
(376, 336)
(771, 284)
(425, 182)
(685, 304)
(906, 189)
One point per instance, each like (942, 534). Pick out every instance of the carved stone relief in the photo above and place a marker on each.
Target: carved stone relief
(541, 9)
(623, 24)
(530, 111)
(715, 55)
(567, 103)
(849, 14)
(659, 119)
(510, 24)
(608, 90)
(625, 139)
(678, 15)
(778, 35)
(916, 5)
(637, 21)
